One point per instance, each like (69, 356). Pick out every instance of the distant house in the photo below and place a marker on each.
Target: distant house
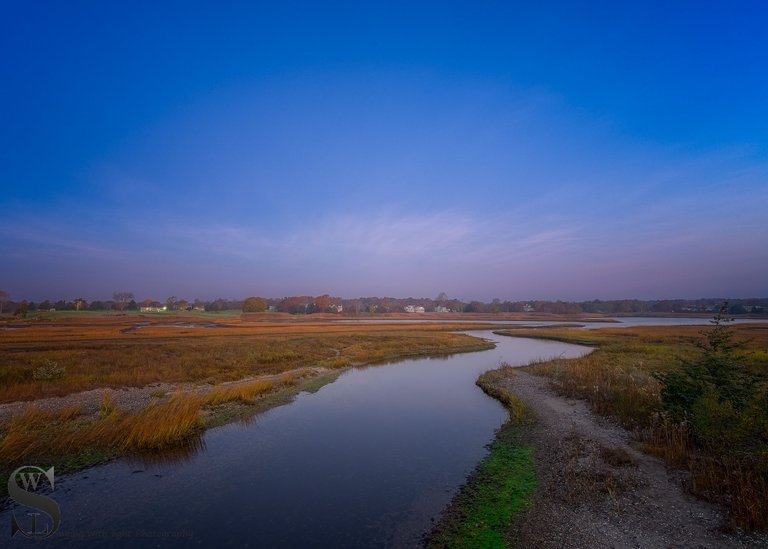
(334, 308)
(414, 309)
(150, 306)
(441, 309)
(528, 308)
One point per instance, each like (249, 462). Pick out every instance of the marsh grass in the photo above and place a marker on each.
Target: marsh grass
(615, 380)
(43, 434)
(742, 486)
(107, 406)
(281, 365)
(157, 426)
(163, 424)
(723, 445)
(245, 393)
(669, 440)
(112, 359)
(491, 383)
(36, 432)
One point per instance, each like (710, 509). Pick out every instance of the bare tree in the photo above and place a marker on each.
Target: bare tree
(122, 299)
(4, 297)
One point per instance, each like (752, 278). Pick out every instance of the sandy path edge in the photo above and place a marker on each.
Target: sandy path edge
(586, 498)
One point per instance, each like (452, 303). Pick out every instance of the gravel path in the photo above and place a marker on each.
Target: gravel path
(597, 490)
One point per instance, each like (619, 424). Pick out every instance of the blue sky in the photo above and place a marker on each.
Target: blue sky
(483, 149)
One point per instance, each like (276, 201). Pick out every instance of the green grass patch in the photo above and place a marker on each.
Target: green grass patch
(501, 486)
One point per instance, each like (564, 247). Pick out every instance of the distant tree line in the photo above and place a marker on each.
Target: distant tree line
(125, 301)
(121, 301)
(378, 305)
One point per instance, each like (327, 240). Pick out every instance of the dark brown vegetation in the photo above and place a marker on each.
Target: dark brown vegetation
(693, 397)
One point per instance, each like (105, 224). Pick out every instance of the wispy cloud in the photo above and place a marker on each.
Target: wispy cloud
(381, 238)
(34, 237)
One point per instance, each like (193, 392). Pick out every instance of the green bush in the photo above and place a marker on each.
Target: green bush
(723, 403)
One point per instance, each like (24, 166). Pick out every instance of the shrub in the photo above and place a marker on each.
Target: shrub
(725, 408)
(49, 370)
(254, 305)
(713, 390)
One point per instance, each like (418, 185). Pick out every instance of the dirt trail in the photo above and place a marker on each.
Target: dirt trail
(597, 490)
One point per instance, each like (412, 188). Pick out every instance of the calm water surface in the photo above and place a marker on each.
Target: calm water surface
(367, 461)
(618, 322)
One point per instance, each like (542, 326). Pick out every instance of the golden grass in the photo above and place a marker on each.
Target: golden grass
(246, 392)
(38, 433)
(491, 383)
(668, 440)
(162, 424)
(157, 426)
(34, 432)
(33, 333)
(613, 384)
(276, 361)
(755, 335)
(99, 355)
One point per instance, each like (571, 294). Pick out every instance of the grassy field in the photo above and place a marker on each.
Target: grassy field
(215, 371)
(53, 359)
(702, 410)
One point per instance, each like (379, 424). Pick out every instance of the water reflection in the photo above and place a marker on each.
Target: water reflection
(366, 461)
(175, 455)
